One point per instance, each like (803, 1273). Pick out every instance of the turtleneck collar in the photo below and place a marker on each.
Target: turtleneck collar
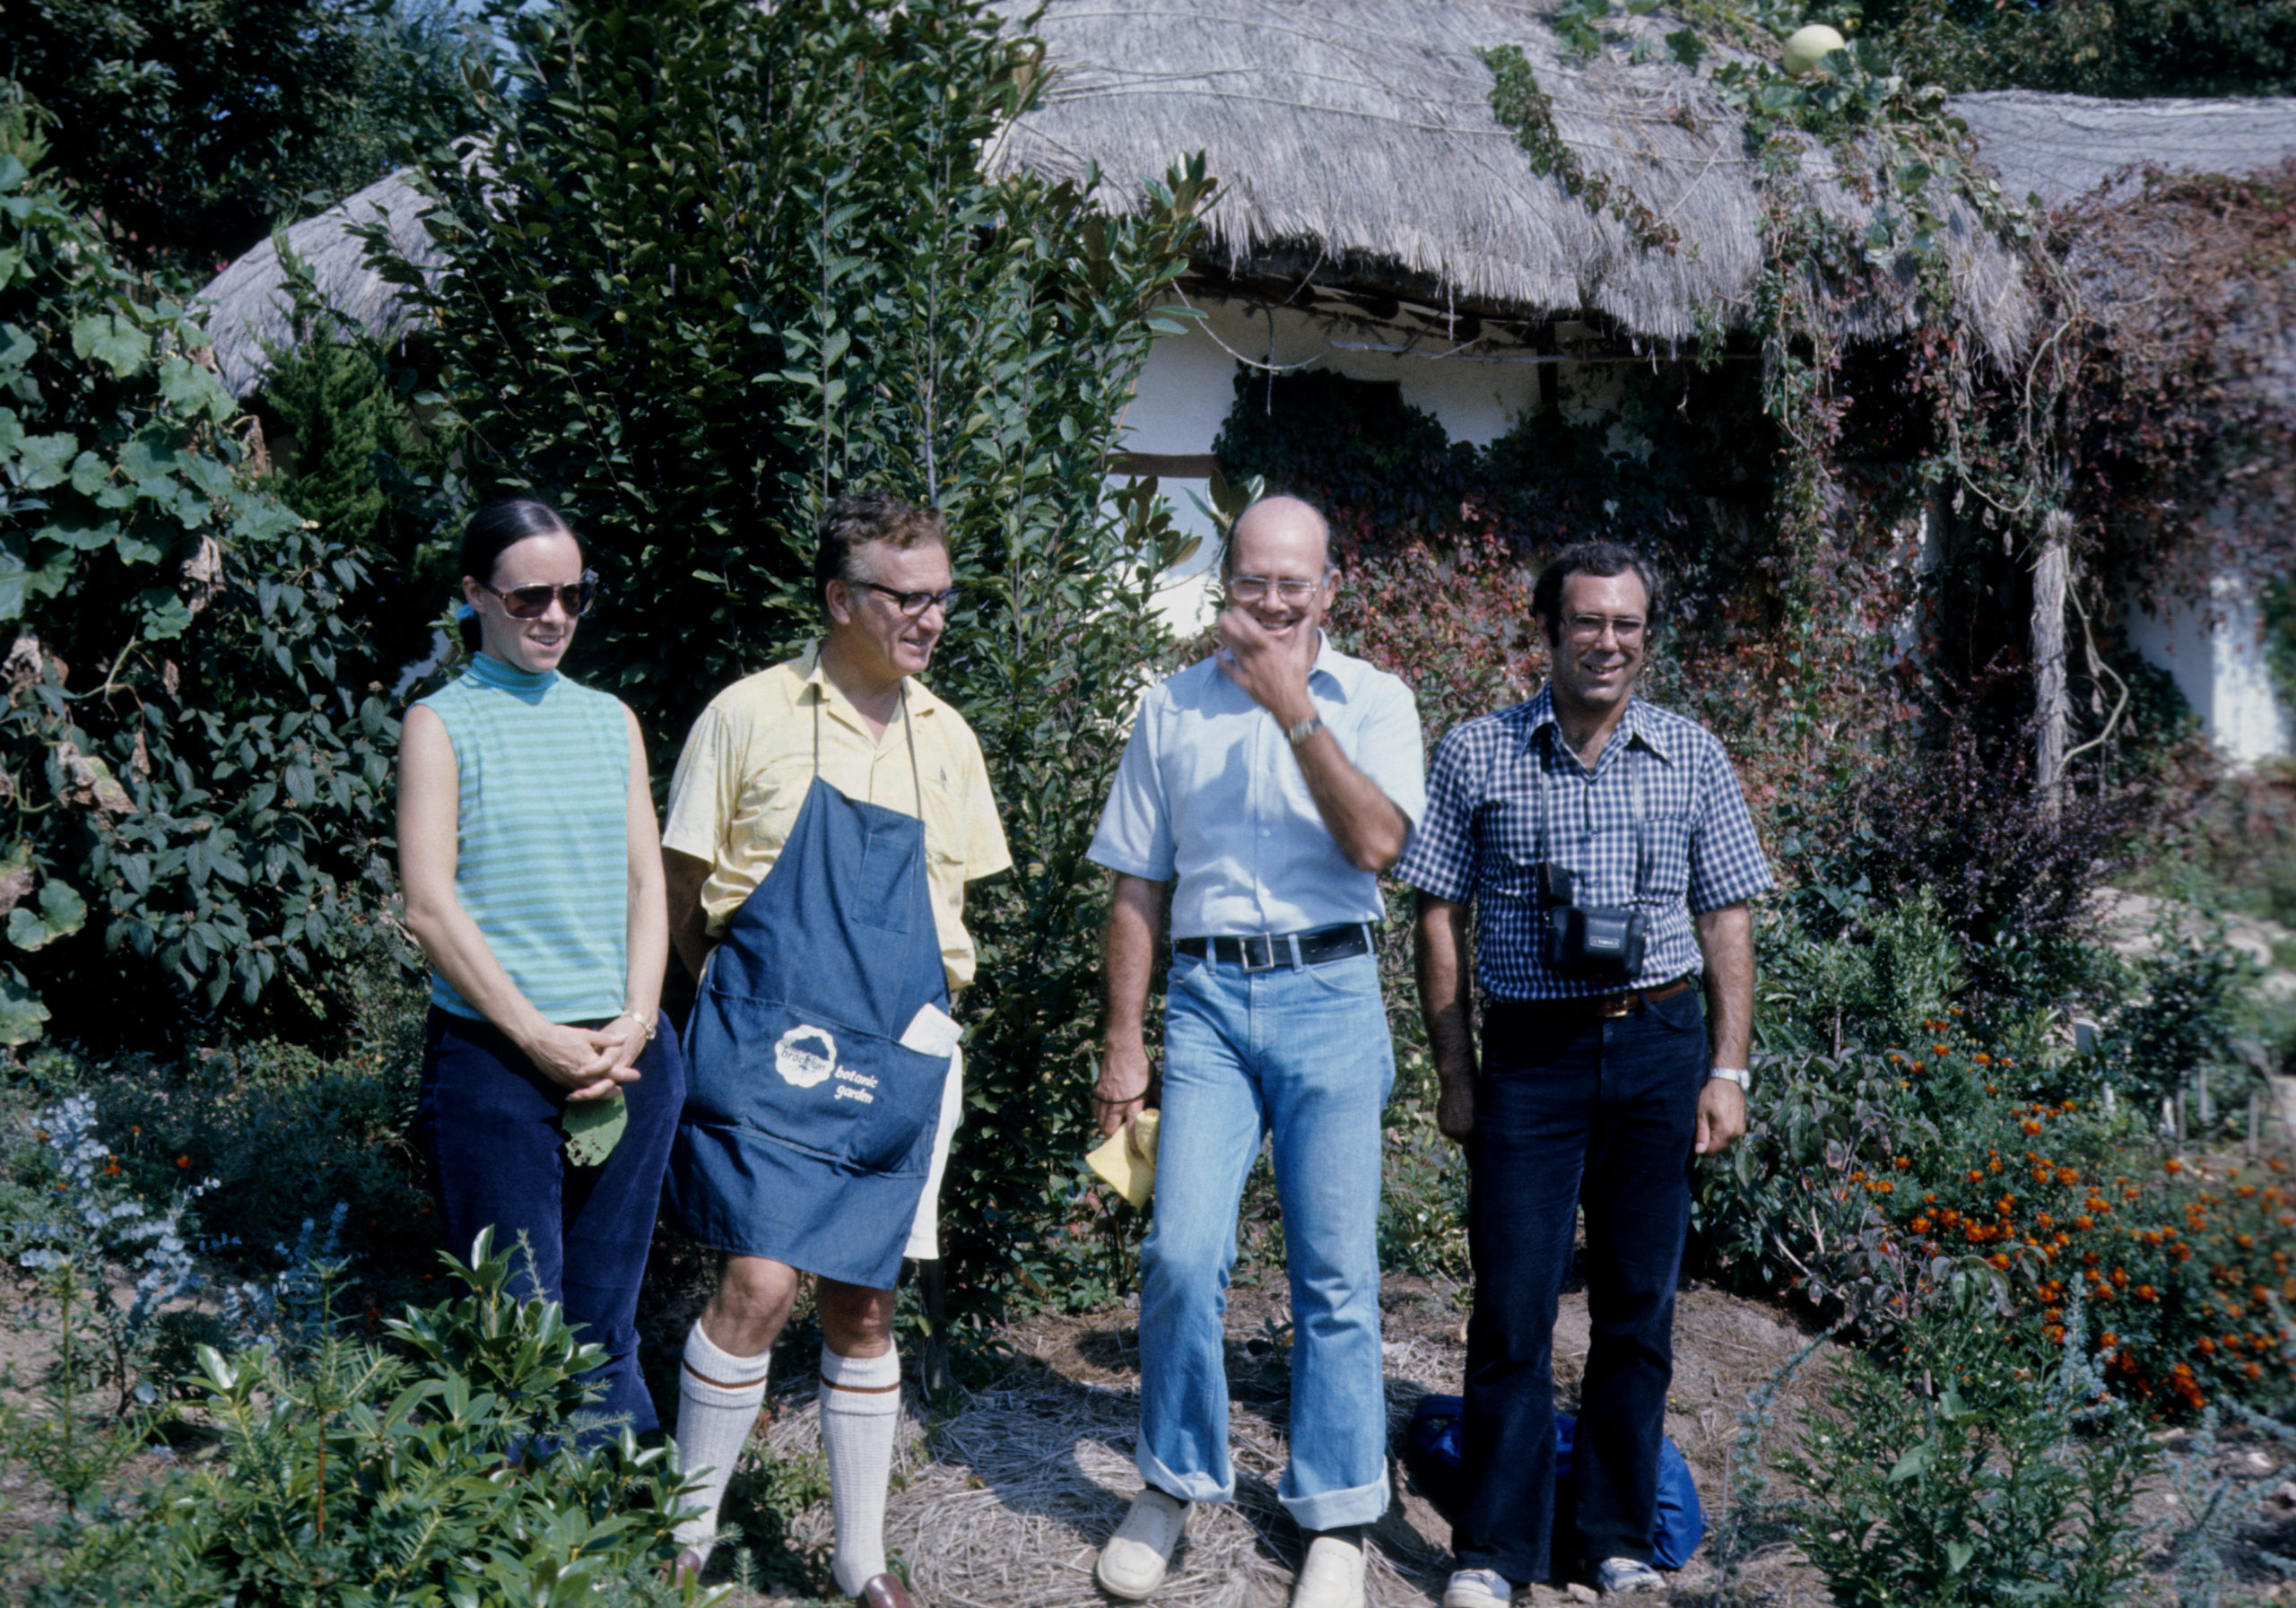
(491, 672)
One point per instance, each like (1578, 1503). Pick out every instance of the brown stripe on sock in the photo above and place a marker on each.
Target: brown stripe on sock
(720, 1383)
(862, 1390)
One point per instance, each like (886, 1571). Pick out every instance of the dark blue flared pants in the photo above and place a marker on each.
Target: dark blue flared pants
(488, 1121)
(1574, 1111)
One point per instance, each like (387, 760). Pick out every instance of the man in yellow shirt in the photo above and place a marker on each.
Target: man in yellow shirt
(824, 819)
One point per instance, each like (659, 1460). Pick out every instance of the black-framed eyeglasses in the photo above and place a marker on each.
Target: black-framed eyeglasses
(1291, 588)
(532, 602)
(914, 604)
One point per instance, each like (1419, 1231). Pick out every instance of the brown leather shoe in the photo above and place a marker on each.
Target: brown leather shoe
(883, 1591)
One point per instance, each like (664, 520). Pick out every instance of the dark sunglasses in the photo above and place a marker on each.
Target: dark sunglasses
(915, 603)
(532, 602)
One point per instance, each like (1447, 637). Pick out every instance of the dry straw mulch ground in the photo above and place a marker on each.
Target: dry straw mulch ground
(1010, 1503)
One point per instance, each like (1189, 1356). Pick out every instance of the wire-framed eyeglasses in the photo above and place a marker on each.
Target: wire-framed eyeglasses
(1291, 588)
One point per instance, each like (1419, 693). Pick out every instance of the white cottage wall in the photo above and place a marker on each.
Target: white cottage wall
(2214, 651)
(1187, 385)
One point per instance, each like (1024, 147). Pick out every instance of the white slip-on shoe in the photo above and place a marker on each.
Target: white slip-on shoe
(1331, 1576)
(1132, 1563)
(1478, 1589)
(1629, 1576)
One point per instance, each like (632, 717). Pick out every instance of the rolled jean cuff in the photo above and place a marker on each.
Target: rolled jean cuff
(1188, 1488)
(1336, 1509)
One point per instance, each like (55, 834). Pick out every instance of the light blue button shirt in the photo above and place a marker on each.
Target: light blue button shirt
(1209, 792)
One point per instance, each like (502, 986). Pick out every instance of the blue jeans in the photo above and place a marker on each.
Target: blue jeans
(1302, 1054)
(488, 1121)
(1571, 1114)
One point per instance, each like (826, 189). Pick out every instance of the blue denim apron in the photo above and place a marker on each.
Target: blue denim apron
(808, 1127)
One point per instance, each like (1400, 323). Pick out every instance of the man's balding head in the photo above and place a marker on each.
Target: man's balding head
(1276, 527)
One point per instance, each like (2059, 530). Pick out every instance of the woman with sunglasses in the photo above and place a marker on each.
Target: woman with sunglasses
(532, 873)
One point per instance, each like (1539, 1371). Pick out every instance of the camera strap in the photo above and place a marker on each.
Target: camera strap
(1551, 733)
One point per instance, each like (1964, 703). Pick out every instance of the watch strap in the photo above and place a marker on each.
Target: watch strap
(1301, 730)
(1741, 1076)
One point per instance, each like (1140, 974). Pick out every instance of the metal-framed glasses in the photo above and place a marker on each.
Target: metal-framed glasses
(1291, 588)
(1589, 628)
(914, 604)
(532, 602)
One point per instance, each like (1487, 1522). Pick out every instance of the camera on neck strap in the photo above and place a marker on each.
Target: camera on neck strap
(1588, 940)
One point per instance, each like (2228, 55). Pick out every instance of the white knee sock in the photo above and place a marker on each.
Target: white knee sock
(718, 1402)
(860, 1401)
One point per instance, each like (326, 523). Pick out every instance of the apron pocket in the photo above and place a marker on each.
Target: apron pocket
(848, 1095)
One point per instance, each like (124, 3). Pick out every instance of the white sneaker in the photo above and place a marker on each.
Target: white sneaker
(1629, 1576)
(1132, 1563)
(1331, 1577)
(1478, 1589)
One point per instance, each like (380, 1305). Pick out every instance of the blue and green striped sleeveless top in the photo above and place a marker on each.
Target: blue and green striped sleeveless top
(541, 847)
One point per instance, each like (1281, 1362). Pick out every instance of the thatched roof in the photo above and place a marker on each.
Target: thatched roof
(248, 305)
(2061, 146)
(1355, 145)
(1358, 135)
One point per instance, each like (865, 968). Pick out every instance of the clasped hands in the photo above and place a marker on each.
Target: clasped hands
(592, 1062)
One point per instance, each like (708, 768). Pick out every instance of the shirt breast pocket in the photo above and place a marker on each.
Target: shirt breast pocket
(1666, 841)
(1509, 853)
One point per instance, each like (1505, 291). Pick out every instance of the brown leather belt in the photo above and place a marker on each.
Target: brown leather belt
(1603, 1007)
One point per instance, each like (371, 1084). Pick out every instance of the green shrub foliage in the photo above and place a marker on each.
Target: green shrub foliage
(1964, 1478)
(351, 1474)
(192, 758)
(723, 262)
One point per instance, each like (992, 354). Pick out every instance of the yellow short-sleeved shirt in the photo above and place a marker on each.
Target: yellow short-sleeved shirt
(750, 758)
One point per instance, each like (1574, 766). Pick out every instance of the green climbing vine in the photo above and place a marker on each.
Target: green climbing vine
(1528, 110)
(2101, 423)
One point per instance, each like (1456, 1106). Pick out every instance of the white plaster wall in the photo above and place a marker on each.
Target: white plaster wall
(1187, 385)
(2214, 652)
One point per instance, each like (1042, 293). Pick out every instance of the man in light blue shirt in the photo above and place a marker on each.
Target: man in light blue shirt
(1273, 782)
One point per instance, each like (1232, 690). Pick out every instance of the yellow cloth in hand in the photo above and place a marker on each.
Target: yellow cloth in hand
(1127, 1174)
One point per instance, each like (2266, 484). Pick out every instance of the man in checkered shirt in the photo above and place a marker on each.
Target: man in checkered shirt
(1594, 1087)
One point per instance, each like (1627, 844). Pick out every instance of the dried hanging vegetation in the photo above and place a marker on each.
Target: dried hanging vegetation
(2158, 388)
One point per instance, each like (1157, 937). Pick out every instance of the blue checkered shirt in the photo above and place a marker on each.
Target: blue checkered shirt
(1479, 841)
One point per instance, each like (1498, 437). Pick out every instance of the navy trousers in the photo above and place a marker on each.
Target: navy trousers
(488, 1121)
(1574, 1111)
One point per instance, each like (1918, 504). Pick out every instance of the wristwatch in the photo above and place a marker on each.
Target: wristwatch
(1741, 1076)
(1304, 730)
(644, 1021)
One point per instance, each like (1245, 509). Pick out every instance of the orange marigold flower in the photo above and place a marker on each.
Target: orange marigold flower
(183, 1161)
(2205, 1346)
(1982, 1059)
(2109, 1338)
(2084, 1223)
(2253, 1371)
(1974, 1176)
(2172, 1165)
(2030, 1127)
(2145, 1292)
(1940, 1049)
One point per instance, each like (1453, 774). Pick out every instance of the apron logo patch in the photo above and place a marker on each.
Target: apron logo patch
(805, 1056)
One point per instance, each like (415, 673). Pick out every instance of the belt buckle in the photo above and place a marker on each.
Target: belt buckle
(1609, 1007)
(1243, 953)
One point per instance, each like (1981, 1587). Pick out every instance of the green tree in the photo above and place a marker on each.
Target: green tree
(2116, 48)
(721, 262)
(191, 754)
(191, 126)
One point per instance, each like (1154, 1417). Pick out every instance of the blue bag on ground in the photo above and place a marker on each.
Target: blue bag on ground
(1431, 1453)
